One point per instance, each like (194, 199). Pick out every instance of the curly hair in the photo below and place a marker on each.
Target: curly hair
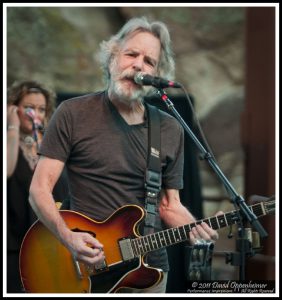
(108, 49)
(19, 89)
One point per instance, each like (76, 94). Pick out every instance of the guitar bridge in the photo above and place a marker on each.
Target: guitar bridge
(101, 266)
(126, 249)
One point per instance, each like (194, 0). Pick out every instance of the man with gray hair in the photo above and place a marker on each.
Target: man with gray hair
(102, 139)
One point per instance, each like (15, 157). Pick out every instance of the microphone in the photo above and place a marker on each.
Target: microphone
(145, 79)
(31, 114)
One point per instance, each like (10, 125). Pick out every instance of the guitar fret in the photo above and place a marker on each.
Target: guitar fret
(256, 210)
(221, 221)
(158, 238)
(187, 230)
(183, 234)
(174, 238)
(145, 244)
(228, 217)
(150, 242)
(214, 223)
(208, 221)
(135, 249)
(171, 236)
(177, 233)
(260, 210)
(162, 237)
(190, 228)
(217, 222)
(155, 241)
(142, 245)
(139, 244)
(166, 237)
(252, 209)
(168, 241)
(192, 225)
(235, 217)
(225, 219)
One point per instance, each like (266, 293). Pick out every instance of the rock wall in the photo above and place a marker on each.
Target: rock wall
(57, 45)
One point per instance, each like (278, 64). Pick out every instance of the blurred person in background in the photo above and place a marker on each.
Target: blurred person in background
(29, 108)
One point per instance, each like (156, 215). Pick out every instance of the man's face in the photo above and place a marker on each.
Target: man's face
(140, 53)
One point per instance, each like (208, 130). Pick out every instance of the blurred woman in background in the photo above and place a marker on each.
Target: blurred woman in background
(30, 106)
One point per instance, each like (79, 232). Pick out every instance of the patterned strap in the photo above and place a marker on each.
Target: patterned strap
(153, 178)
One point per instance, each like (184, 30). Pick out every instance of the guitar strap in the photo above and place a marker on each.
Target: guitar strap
(153, 178)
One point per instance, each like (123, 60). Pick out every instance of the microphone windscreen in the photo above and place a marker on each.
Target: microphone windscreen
(138, 78)
(30, 112)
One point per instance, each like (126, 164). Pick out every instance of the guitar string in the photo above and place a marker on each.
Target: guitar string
(220, 222)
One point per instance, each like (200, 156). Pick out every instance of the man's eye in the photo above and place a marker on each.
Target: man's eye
(149, 62)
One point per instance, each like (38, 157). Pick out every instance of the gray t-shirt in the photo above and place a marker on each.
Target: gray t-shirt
(106, 158)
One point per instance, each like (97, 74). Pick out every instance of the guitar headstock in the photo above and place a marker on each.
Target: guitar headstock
(269, 206)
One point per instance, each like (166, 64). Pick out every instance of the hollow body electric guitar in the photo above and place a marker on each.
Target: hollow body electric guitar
(46, 266)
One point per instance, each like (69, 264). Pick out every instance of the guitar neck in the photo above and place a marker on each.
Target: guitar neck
(165, 238)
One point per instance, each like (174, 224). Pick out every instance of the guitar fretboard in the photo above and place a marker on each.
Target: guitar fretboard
(179, 234)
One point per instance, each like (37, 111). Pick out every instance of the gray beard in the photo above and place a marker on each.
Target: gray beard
(119, 93)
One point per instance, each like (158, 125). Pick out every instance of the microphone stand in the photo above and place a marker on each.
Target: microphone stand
(238, 201)
(35, 136)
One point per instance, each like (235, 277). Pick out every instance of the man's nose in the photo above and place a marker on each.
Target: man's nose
(138, 64)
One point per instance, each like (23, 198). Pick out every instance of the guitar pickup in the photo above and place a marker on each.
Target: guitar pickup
(126, 249)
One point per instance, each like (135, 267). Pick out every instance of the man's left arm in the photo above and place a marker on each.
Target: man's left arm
(174, 214)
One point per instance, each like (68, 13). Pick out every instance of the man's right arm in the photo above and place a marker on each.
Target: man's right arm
(45, 176)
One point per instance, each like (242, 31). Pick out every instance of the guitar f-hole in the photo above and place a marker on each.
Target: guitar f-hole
(87, 231)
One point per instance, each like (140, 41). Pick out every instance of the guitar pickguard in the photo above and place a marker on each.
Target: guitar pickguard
(105, 282)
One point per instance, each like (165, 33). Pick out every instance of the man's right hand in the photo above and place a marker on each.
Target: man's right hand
(84, 248)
